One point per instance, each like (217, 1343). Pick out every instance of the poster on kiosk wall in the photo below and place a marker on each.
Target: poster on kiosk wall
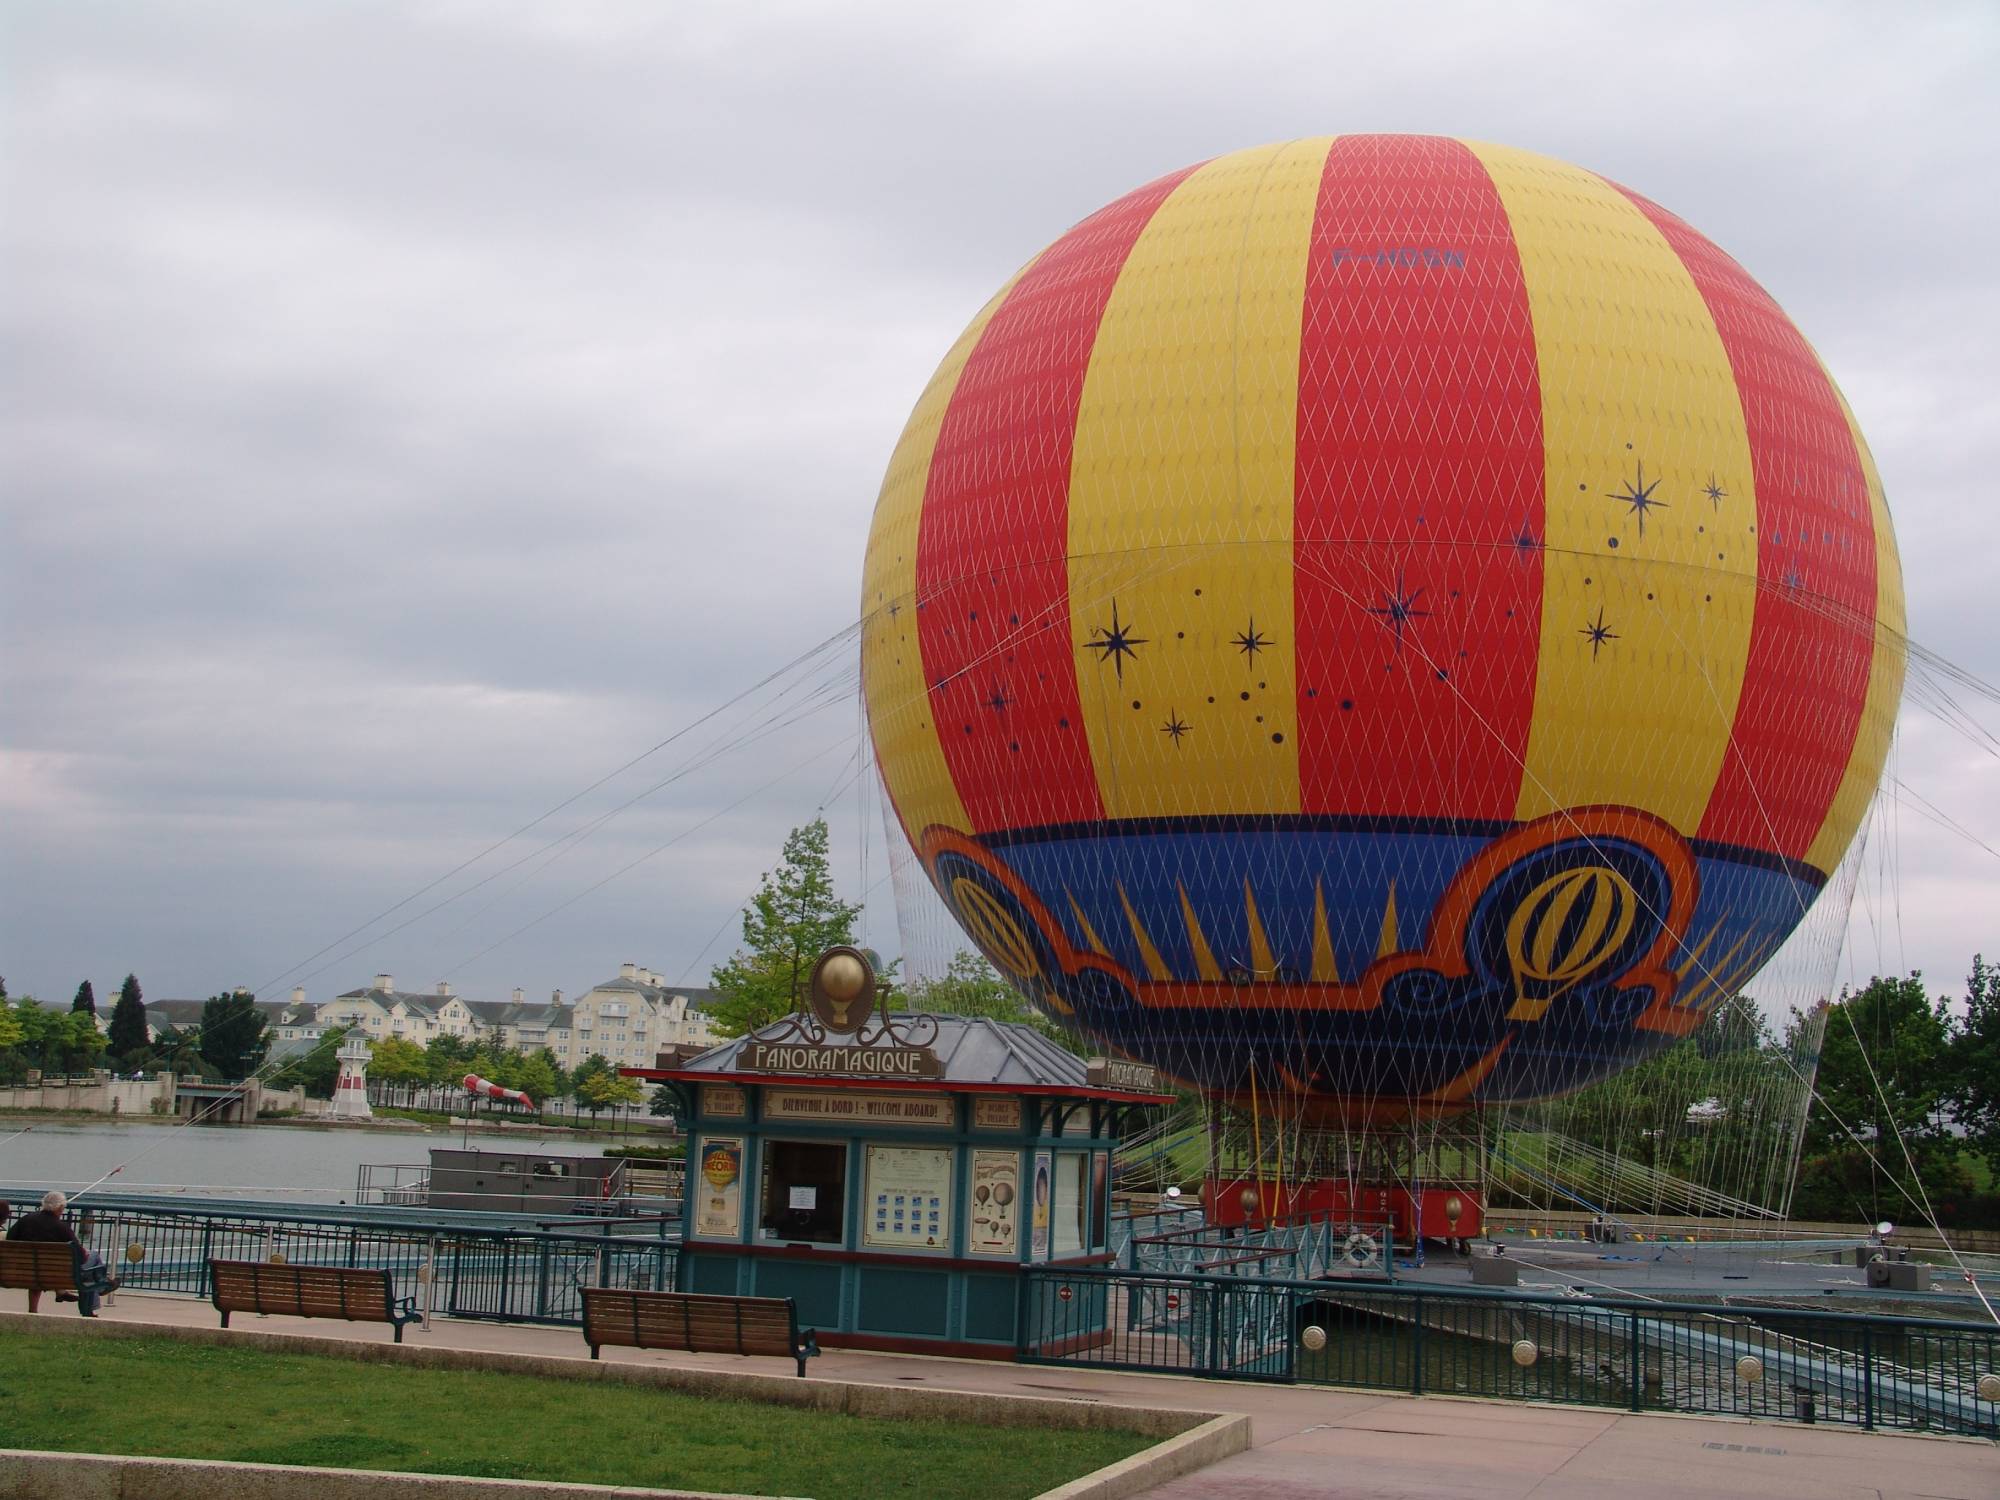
(996, 1208)
(718, 1210)
(1038, 1239)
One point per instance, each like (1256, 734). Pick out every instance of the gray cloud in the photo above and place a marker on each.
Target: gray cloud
(413, 411)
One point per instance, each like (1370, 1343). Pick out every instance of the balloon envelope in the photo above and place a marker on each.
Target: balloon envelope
(1382, 620)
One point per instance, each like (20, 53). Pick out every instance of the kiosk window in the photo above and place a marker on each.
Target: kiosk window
(1067, 1206)
(805, 1192)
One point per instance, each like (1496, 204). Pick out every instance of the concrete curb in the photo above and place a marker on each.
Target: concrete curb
(847, 1397)
(28, 1475)
(1214, 1440)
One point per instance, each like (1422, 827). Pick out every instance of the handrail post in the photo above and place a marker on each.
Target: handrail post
(1633, 1355)
(1214, 1325)
(1868, 1376)
(1417, 1345)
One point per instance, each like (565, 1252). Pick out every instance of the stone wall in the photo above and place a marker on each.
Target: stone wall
(101, 1094)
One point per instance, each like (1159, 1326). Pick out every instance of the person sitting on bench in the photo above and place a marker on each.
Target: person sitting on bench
(46, 1225)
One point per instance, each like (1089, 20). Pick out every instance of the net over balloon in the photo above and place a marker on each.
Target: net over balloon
(1381, 621)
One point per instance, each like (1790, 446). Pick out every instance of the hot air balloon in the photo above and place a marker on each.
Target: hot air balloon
(1381, 623)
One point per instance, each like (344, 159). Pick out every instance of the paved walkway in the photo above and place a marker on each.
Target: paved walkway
(1314, 1441)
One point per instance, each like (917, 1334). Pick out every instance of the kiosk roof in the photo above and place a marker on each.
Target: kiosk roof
(978, 1056)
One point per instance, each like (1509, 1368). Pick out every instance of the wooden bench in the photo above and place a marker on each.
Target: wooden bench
(363, 1294)
(697, 1323)
(39, 1266)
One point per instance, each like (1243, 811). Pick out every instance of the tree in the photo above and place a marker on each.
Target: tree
(128, 1039)
(85, 1002)
(445, 1059)
(607, 1090)
(1883, 1076)
(1974, 1058)
(970, 986)
(593, 1066)
(541, 1077)
(794, 917)
(179, 1050)
(13, 1062)
(317, 1069)
(664, 1104)
(233, 1039)
(398, 1062)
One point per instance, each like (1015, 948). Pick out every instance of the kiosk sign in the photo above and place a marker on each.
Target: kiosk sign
(829, 1106)
(867, 1062)
(1117, 1073)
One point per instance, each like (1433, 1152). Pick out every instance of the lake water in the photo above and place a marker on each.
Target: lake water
(288, 1163)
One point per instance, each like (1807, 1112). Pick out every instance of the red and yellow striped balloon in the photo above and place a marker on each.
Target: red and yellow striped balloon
(1303, 526)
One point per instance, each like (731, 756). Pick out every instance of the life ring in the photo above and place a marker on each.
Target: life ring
(1359, 1249)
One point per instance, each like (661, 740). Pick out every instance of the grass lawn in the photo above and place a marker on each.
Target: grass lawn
(167, 1398)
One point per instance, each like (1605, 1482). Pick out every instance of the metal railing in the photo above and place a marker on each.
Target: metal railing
(1851, 1368)
(1295, 1247)
(513, 1272)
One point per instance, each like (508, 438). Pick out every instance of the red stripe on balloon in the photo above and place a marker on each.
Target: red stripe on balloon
(992, 576)
(1812, 636)
(1419, 489)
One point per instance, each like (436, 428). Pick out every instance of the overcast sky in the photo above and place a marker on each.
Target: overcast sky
(413, 412)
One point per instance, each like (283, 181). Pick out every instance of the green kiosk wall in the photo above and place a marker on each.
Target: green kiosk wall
(896, 1218)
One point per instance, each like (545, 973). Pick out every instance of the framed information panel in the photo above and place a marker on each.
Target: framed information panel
(996, 1204)
(906, 1198)
(717, 1185)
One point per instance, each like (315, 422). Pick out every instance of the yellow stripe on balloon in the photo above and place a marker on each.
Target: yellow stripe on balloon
(892, 667)
(1647, 599)
(1885, 677)
(1180, 501)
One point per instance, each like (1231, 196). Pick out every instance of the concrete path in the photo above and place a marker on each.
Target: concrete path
(1316, 1441)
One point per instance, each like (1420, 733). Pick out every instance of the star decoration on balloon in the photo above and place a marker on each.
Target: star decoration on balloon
(1638, 495)
(1174, 728)
(1715, 492)
(1598, 632)
(1114, 643)
(1250, 641)
(999, 701)
(1399, 608)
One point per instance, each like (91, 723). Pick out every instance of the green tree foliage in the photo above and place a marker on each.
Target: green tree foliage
(970, 986)
(1718, 1107)
(317, 1069)
(398, 1062)
(128, 1040)
(178, 1049)
(85, 1002)
(795, 916)
(55, 1041)
(1880, 1108)
(663, 1104)
(607, 1090)
(13, 1060)
(233, 1034)
(541, 1076)
(594, 1066)
(1975, 1063)
(447, 1059)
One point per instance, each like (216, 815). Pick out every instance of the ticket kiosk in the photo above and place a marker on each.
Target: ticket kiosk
(895, 1172)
